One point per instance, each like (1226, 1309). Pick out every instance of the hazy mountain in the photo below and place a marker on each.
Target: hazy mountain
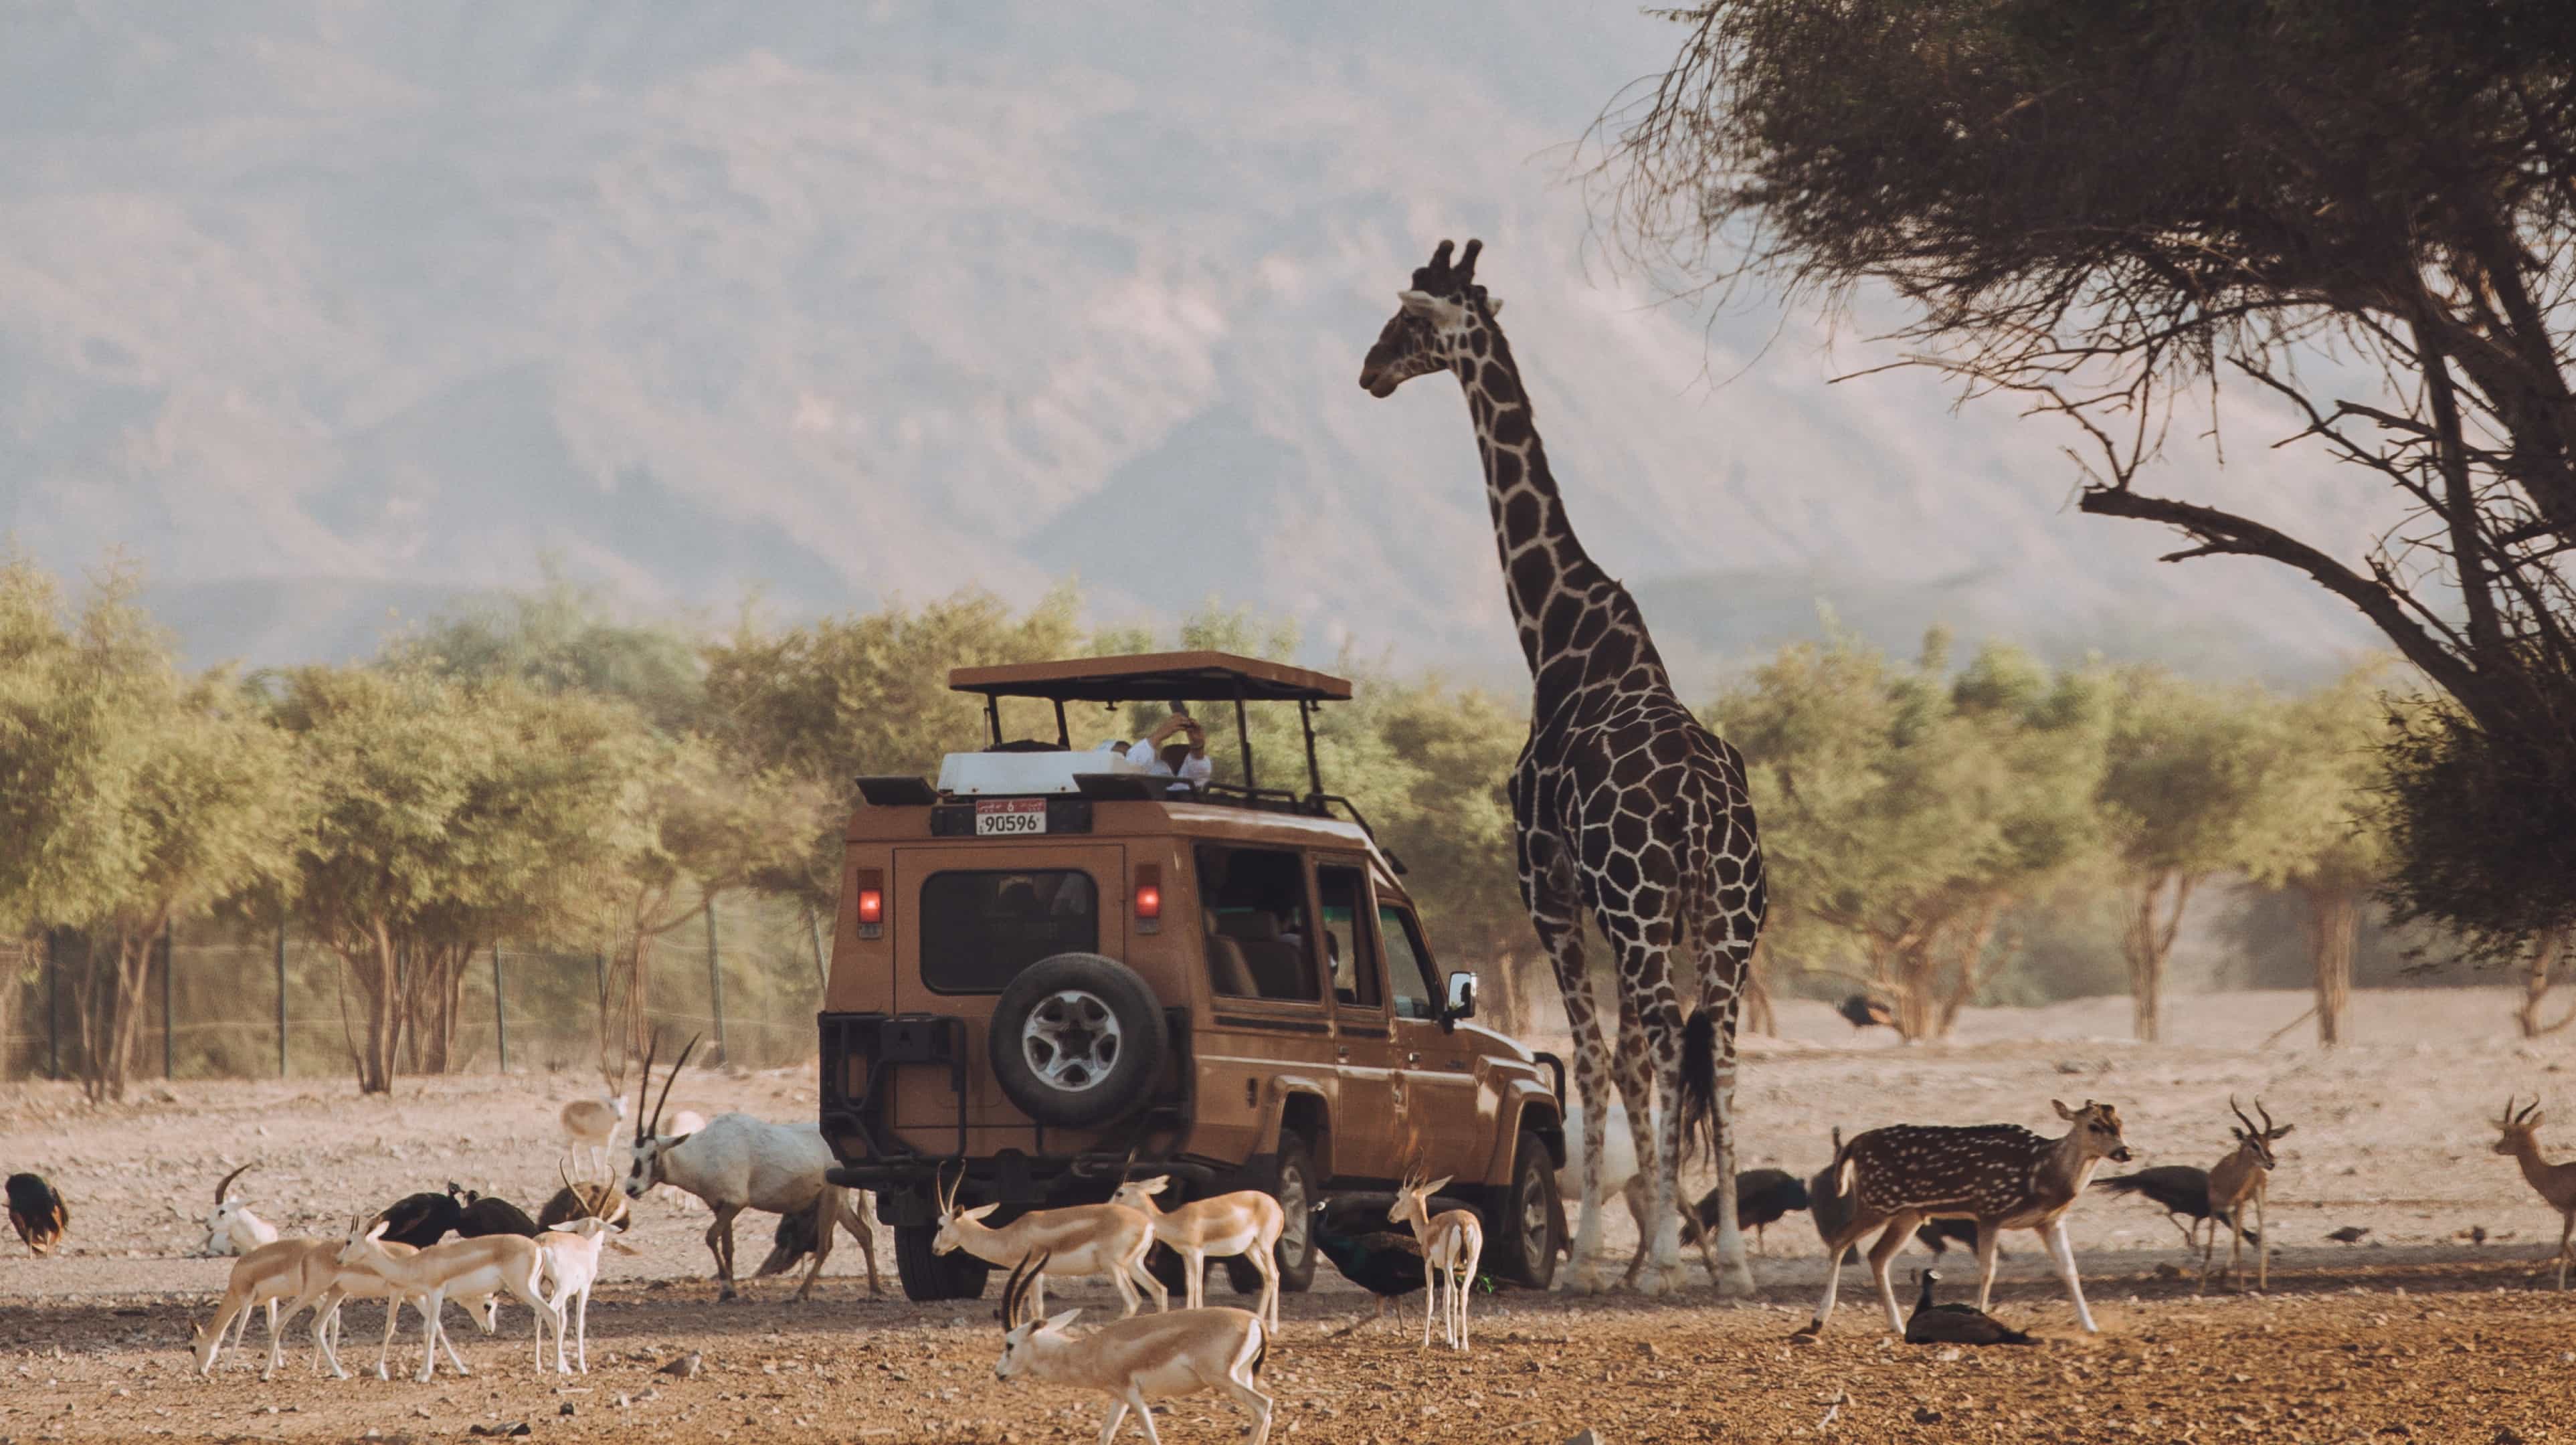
(330, 311)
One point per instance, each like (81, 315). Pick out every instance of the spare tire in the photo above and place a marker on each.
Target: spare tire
(1077, 1040)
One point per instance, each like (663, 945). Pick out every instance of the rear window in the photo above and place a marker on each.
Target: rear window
(979, 929)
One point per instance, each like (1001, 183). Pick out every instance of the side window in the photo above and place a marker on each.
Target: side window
(1253, 913)
(1342, 895)
(1408, 964)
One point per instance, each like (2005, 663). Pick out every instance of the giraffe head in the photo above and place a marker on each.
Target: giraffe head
(1440, 318)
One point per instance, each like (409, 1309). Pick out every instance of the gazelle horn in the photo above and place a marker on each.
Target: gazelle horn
(2240, 1114)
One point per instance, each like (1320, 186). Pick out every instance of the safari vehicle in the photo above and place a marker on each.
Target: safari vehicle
(1055, 969)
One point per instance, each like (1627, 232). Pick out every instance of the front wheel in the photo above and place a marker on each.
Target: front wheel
(1524, 1223)
(926, 1276)
(1296, 1254)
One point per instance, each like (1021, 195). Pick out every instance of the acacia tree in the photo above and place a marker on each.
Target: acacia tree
(2316, 833)
(1908, 811)
(2181, 788)
(2361, 210)
(133, 795)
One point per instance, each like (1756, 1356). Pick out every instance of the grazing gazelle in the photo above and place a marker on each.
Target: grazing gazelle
(1452, 1242)
(1136, 1361)
(2003, 1176)
(1081, 1239)
(1246, 1222)
(2245, 1174)
(2518, 1135)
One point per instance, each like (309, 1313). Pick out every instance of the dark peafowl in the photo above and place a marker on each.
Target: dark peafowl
(1938, 1235)
(1933, 1324)
(1763, 1197)
(2181, 1190)
(37, 1212)
(1862, 1011)
(423, 1219)
(1352, 1232)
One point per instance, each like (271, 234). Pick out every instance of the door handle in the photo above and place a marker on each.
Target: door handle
(1414, 1058)
(1343, 1052)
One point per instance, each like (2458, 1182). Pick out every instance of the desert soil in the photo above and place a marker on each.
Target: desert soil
(2414, 1334)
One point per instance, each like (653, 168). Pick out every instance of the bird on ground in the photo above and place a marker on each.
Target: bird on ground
(1938, 1235)
(423, 1219)
(37, 1212)
(1763, 1197)
(2349, 1234)
(1352, 1233)
(1862, 1011)
(485, 1214)
(2181, 1190)
(1932, 1324)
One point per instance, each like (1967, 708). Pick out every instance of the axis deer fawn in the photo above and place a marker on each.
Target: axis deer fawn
(2246, 1173)
(2003, 1176)
(2518, 1135)
(1452, 1242)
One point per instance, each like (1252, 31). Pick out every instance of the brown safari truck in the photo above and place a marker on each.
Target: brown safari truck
(1057, 968)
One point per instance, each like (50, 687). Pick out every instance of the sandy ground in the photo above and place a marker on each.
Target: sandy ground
(2413, 1334)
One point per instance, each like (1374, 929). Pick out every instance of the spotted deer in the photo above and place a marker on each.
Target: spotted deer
(2519, 1136)
(2003, 1176)
(2245, 1174)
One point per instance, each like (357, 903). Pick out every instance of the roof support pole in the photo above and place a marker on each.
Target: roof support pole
(1314, 772)
(993, 715)
(1243, 739)
(1063, 735)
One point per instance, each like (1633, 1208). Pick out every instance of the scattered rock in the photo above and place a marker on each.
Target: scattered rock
(686, 1367)
(499, 1432)
(1926, 1415)
(566, 1409)
(1586, 1438)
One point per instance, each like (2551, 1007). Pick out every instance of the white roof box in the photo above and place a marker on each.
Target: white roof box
(1021, 774)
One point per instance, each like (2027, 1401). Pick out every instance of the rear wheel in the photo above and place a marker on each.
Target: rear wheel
(1523, 1221)
(928, 1276)
(1296, 1195)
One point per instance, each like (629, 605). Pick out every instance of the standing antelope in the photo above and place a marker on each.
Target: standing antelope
(2245, 1173)
(1246, 1222)
(1137, 1361)
(262, 1276)
(232, 1229)
(2518, 1135)
(1452, 1242)
(591, 1124)
(461, 1267)
(2003, 1176)
(1081, 1239)
(738, 1162)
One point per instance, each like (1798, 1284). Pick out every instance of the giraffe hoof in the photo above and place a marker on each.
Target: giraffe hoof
(1736, 1283)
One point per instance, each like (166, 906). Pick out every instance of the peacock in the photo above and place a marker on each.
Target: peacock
(1352, 1232)
(37, 1212)
(1933, 1324)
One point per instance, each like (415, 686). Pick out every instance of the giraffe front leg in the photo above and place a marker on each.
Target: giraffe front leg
(1564, 943)
(1666, 1272)
(1723, 971)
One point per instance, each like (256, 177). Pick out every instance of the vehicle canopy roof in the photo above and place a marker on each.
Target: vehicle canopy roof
(1173, 677)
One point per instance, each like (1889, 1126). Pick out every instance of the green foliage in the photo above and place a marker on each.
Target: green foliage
(564, 638)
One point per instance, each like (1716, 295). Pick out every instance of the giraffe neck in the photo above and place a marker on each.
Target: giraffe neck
(1563, 605)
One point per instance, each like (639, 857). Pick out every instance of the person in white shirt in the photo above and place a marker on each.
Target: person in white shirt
(1176, 748)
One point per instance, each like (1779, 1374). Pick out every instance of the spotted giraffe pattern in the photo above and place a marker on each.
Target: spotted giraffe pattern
(1627, 809)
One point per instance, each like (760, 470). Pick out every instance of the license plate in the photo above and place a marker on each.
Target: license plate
(1010, 817)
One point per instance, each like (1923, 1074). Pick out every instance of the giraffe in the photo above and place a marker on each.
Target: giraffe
(1624, 806)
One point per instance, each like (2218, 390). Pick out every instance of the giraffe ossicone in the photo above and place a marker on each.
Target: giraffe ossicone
(1626, 810)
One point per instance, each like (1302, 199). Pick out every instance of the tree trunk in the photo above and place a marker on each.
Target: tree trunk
(2334, 917)
(1904, 969)
(1758, 1015)
(372, 960)
(2545, 953)
(1969, 973)
(2147, 946)
(625, 1028)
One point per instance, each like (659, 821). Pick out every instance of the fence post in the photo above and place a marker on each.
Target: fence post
(500, 1016)
(715, 983)
(53, 1004)
(281, 997)
(169, 966)
(814, 930)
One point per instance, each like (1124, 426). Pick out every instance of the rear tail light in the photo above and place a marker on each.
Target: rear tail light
(871, 903)
(1149, 897)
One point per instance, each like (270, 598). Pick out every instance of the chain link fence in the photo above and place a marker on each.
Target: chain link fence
(222, 1003)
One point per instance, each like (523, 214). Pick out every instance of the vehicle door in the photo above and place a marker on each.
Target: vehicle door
(964, 921)
(1269, 1029)
(1441, 1121)
(1364, 1132)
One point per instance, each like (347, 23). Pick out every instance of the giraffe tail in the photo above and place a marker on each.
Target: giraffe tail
(1699, 1085)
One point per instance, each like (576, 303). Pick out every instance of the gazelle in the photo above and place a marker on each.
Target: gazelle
(462, 1267)
(1246, 1222)
(571, 1252)
(1452, 1242)
(262, 1276)
(2518, 1135)
(1081, 1239)
(738, 1162)
(329, 1283)
(2003, 1176)
(232, 1229)
(1136, 1361)
(591, 1124)
(2245, 1174)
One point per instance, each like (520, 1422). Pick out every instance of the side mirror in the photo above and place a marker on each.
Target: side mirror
(1462, 997)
